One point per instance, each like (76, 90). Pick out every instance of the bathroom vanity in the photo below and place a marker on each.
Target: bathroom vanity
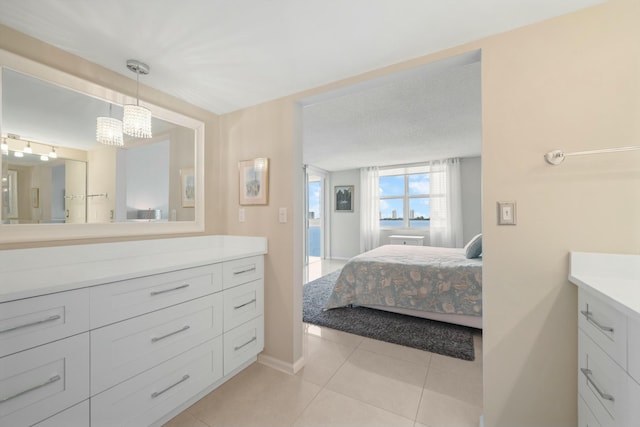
(128, 333)
(608, 338)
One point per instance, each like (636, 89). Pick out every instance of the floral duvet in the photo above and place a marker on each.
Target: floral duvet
(440, 280)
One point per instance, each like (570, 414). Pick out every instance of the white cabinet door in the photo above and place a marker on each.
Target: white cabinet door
(243, 270)
(243, 343)
(243, 303)
(126, 348)
(76, 416)
(151, 395)
(605, 325)
(40, 382)
(121, 300)
(30, 322)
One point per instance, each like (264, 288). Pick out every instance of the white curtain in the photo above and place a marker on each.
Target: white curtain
(446, 204)
(369, 209)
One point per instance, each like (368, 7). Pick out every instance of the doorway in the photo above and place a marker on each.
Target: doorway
(315, 219)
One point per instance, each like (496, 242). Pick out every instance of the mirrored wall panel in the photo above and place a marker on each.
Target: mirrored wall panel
(55, 172)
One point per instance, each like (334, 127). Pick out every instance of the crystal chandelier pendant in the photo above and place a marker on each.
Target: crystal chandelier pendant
(137, 121)
(109, 131)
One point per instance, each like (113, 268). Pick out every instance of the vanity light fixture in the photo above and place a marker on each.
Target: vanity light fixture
(18, 154)
(27, 149)
(109, 130)
(137, 119)
(4, 147)
(44, 158)
(52, 154)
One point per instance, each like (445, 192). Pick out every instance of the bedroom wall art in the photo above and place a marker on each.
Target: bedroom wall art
(254, 181)
(343, 195)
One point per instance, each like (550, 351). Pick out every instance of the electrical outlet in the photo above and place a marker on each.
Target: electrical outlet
(241, 216)
(282, 215)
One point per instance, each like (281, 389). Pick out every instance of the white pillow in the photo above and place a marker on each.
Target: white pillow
(473, 249)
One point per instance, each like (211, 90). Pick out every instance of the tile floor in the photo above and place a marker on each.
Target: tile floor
(350, 381)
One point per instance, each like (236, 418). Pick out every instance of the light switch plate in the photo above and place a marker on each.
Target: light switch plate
(506, 213)
(282, 215)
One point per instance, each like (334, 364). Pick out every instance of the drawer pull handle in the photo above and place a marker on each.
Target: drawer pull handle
(236, 348)
(53, 379)
(156, 339)
(154, 293)
(248, 270)
(37, 322)
(158, 393)
(590, 318)
(587, 373)
(237, 307)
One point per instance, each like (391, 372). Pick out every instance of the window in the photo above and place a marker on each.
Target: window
(405, 200)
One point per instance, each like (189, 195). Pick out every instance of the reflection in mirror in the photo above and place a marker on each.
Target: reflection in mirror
(70, 178)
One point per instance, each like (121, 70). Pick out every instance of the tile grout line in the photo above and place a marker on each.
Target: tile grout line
(324, 387)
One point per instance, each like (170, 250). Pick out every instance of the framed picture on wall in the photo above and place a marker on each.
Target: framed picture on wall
(254, 181)
(343, 195)
(187, 188)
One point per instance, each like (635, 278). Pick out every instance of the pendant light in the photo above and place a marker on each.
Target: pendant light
(137, 119)
(108, 130)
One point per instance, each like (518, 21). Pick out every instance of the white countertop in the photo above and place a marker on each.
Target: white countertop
(614, 278)
(26, 273)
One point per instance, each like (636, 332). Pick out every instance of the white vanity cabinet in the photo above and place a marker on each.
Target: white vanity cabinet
(133, 342)
(608, 338)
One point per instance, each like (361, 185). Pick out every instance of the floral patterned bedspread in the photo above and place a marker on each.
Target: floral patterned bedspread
(425, 278)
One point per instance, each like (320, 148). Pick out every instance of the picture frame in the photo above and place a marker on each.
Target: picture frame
(343, 198)
(254, 181)
(187, 188)
(35, 197)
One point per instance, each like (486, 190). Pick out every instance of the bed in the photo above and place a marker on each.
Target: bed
(434, 283)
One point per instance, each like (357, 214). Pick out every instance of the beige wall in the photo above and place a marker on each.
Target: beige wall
(569, 83)
(266, 131)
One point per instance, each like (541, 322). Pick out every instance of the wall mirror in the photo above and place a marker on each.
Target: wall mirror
(58, 182)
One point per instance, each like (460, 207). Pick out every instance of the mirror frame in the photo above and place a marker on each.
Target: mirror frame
(16, 233)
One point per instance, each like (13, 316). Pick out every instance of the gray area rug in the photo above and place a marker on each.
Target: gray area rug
(436, 337)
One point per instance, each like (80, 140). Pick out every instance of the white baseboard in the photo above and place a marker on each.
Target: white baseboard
(287, 368)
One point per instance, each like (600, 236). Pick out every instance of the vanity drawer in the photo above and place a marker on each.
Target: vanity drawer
(125, 349)
(121, 300)
(149, 396)
(76, 416)
(35, 321)
(241, 271)
(38, 383)
(585, 417)
(605, 325)
(601, 383)
(634, 348)
(243, 343)
(243, 303)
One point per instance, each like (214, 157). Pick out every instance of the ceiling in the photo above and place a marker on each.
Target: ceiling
(426, 113)
(225, 55)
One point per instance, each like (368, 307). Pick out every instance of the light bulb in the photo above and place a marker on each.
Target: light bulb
(28, 149)
(18, 154)
(44, 158)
